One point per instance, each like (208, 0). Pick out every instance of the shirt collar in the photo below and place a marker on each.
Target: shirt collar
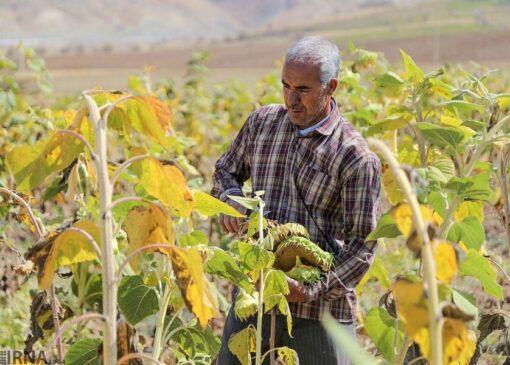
(325, 126)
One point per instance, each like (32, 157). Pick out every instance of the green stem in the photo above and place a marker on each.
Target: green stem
(160, 323)
(260, 312)
(427, 254)
(403, 350)
(106, 229)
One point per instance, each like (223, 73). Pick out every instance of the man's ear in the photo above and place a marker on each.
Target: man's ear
(333, 83)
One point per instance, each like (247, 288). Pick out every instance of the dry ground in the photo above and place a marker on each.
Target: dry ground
(250, 59)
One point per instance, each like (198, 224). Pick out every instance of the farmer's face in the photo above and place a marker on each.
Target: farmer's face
(306, 99)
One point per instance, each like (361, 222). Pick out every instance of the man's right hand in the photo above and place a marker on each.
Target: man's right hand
(232, 224)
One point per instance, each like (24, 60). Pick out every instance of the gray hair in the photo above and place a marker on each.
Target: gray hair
(316, 50)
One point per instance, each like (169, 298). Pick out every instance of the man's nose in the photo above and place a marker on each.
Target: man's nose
(294, 98)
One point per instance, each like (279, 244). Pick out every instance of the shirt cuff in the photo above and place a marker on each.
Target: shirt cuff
(231, 191)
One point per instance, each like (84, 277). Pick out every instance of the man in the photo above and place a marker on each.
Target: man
(316, 170)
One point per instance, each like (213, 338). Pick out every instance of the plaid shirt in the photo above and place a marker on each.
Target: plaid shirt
(327, 181)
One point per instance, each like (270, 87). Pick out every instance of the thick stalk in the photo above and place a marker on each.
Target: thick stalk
(160, 323)
(427, 254)
(503, 161)
(260, 312)
(106, 228)
(403, 350)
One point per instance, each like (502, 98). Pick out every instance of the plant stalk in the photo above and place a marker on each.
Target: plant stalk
(503, 162)
(106, 228)
(160, 323)
(260, 312)
(435, 315)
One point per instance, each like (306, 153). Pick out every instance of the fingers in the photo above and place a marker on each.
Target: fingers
(230, 224)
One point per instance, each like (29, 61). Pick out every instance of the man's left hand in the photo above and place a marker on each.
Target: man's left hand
(297, 291)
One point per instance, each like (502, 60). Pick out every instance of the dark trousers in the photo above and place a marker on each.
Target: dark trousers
(309, 340)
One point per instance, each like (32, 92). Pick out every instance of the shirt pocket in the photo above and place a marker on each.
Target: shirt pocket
(316, 187)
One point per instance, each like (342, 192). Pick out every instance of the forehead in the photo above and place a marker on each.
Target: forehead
(301, 73)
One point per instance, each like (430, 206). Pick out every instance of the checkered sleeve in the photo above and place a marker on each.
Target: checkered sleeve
(360, 211)
(231, 170)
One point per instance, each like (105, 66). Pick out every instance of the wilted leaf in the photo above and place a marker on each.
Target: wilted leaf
(466, 302)
(391, 187)
(458, 344)
(136, 300)
(253, 223)
(167, 184)
(151, 117)
(242, 343)
(404, 218)
(446, 262)
(252, 257)
(287, 356)
(146, 226)
(187, 266)
(194, 238)
(479, 267)
(494, 320)
(208, 205)
(246, 305)
(69, 247)
(31, 164)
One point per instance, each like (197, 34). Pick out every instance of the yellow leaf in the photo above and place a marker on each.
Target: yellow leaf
(458, 344)
(504, 101)
(188, 269)
(391, 188)
(146, 226)
(446, 262)
(242, 343)
(69, 247)
(403, 218)
(72, 184)
(209, 205)
(451, 121)
(151, 117)
(411, 305)
(469, 209)
(31, 164)
(167, 184)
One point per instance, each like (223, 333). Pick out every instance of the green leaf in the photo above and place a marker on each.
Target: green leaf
(441, 136)
(347, 342)
(413, 73)
(242, 343)
(434, 174)
(194, 238)
(136, 300)
(275, 288)
(479, 267)
(446, 166)
(389, 124)
(253, 257)
(207, 205)
(472, 187)
(250, 203)
(386, 228)
(253, 223)
(83, 352)
(381, 327)
(470, 231)
(465, 301)
(31, 164)
(223, 265)
(463, 106)
(390, 83)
